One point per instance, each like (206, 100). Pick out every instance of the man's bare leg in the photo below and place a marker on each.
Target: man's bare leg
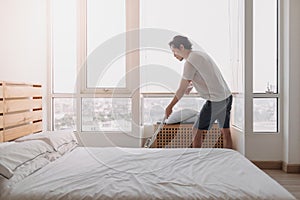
(227, 141)
(197, 138)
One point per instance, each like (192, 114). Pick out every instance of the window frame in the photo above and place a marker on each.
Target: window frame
(278, 66)
(82, 52)
(132, 22)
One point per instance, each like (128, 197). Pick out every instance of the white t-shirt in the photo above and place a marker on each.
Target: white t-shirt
(205, 76)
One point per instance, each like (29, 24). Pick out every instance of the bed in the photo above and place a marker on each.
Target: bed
(131, 173)
(51, 165)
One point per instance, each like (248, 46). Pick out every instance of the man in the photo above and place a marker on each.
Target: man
(202, 72)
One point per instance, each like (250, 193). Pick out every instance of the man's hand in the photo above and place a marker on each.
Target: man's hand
(179, 93)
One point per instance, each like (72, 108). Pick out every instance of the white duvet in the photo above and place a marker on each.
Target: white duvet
(135, 173)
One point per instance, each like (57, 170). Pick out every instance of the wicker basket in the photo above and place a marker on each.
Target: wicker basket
(180, 136)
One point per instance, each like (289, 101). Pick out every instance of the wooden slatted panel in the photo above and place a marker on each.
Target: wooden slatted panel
(1, 107)
(1, 112)
(1, 91)
(1, 122)
(13, 133)
(1, 136)
(180, 136)
(14, 105)
(21, 91)
(213, 138)
(22, 118)
(174, 136)
(20, 105)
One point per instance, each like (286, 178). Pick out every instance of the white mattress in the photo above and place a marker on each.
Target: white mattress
(129, 173)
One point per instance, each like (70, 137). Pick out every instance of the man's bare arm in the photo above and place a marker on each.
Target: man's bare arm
(178, 95)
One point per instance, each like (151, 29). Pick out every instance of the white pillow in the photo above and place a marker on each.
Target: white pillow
(25, 170)
(54, 138)
(181, 116)
(52, 156)
(190, 120)
(62, 150)
(3, 169)
(16, 154)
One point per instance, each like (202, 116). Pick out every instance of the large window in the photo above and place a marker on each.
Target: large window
(75, 44)
(64, 64)
(265, 115)
(64, 45)
(154, 108)
(106, 43)
(265, 46)
(64, 113)
(106, 114)
(207, 25)
(96, 56)
(265, 66)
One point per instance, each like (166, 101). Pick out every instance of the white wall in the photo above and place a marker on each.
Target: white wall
(263, 147)
(291, 62)
(238, 140)
(286, 145)
(23, 41)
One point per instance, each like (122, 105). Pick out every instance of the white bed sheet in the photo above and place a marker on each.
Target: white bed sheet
(129, 173)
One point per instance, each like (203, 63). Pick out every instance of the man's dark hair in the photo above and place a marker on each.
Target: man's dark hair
(178, 40)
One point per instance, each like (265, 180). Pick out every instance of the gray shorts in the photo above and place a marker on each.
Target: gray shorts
(212, 111)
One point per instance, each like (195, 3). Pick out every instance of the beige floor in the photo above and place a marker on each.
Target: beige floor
(291, 182)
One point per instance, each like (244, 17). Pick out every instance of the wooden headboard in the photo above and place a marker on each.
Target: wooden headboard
(20, 110)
